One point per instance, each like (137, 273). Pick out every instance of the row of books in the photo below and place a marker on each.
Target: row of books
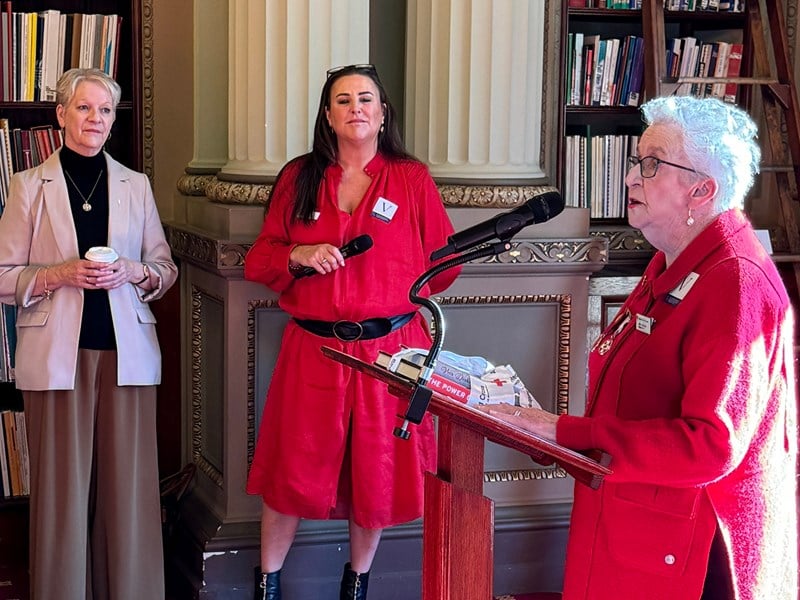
(672, 5)
(22, 149)
(691, 57)
(604, 72)
(15, 472)
(37, 47)
(594, 173)
(706, 5)
(615, 4)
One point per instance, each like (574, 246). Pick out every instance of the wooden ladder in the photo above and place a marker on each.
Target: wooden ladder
(771, 71)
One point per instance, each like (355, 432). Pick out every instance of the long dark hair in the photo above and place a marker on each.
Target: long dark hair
(323, 151)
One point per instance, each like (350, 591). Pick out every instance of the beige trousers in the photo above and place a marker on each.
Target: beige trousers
(95, 506)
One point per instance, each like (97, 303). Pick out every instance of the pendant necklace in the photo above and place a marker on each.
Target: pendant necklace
(86, 206)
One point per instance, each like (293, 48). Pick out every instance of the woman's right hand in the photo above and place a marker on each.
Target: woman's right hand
(323, 258)
(80, 273)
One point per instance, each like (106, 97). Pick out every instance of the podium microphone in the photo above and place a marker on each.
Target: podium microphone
(504, 226)
(354, 247)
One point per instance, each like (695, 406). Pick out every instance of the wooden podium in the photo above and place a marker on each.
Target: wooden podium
(458, 525)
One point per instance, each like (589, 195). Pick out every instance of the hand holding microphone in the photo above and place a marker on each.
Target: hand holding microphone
(352, 248)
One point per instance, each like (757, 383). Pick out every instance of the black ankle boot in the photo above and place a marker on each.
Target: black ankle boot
(354, 585)
(268, 585)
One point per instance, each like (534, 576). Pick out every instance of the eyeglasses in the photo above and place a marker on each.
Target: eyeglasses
(648, 165)
(361, 67)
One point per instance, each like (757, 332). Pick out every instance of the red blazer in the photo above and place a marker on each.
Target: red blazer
(694, 398)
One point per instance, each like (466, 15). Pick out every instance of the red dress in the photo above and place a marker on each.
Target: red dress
(694, 398)
(325, 448)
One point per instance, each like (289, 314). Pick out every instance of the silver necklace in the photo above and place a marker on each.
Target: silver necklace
(86, 206)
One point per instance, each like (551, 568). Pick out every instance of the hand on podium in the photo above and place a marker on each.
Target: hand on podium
(535, 420)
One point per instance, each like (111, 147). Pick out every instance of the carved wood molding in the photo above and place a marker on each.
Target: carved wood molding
(197, 396)
(465, 195)
(579, 252)
(148, 82)
(205, 250)
(252, 307)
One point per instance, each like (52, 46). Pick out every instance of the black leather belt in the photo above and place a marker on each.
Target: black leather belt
(350, 331)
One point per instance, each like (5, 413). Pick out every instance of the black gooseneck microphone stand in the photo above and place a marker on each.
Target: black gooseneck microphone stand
(421, 395)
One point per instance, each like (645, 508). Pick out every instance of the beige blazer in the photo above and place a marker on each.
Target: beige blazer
(37, 230)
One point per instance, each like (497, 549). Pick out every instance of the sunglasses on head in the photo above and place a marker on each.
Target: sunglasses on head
(361, 67)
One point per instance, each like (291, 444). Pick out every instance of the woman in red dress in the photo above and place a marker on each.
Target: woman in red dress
(325, 448)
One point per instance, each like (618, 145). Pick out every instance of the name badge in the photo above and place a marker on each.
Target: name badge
(644, 323)
(679, 293)
(384, 209)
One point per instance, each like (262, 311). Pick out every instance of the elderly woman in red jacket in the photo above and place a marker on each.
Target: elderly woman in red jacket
(691, 387)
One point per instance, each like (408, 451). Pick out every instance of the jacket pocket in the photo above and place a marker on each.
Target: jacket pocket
(146, 316)
(650, 537)
(32, 318)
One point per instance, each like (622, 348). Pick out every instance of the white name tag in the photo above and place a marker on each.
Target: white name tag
(644, 323)
(384, 209)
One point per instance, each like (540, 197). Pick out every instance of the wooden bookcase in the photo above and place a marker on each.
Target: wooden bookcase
(125, 143)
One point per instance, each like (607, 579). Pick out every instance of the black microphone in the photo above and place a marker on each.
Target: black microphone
(504, 226)
(354, 247)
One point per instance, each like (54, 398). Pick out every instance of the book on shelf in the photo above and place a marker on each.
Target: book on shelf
(21, 431)
(599, 71)
(588, 75)
(721, 69)
(5, 475)
(14, 473)
(637, 74)
(734, 69)
(16, 450)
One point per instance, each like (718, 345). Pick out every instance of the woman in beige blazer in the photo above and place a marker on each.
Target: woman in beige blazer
(87, 357)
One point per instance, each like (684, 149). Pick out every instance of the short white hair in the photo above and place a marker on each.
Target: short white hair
(719, 140)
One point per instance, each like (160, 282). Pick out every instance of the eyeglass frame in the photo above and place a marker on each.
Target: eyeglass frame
(636, 160)
(359, 67)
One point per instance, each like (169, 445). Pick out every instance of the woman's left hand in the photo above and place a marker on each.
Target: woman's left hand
(113, 275)
(535, 420)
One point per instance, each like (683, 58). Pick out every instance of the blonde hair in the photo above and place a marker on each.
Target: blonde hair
(69, 81)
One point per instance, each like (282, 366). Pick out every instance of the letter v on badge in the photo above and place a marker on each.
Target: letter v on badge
(680, 291)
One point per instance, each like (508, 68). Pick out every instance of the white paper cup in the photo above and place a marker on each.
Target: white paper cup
(101, 254)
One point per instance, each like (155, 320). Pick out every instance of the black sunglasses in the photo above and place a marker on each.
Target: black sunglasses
(361, 67)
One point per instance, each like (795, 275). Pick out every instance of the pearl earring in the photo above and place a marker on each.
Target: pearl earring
(690, 220)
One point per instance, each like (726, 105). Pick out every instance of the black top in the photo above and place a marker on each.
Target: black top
(90, 175)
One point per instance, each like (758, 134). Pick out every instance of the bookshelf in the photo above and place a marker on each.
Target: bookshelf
(607, 121)
(125, 143)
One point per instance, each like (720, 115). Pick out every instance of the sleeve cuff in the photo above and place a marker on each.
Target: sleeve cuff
(574, 432)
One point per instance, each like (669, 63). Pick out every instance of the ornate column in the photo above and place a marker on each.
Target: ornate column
(476, 80)
(210, 99)
(210, 150)
(279, 52)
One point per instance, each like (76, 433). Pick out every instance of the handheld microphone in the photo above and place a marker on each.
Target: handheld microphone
(354, 247)
(504, 226)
